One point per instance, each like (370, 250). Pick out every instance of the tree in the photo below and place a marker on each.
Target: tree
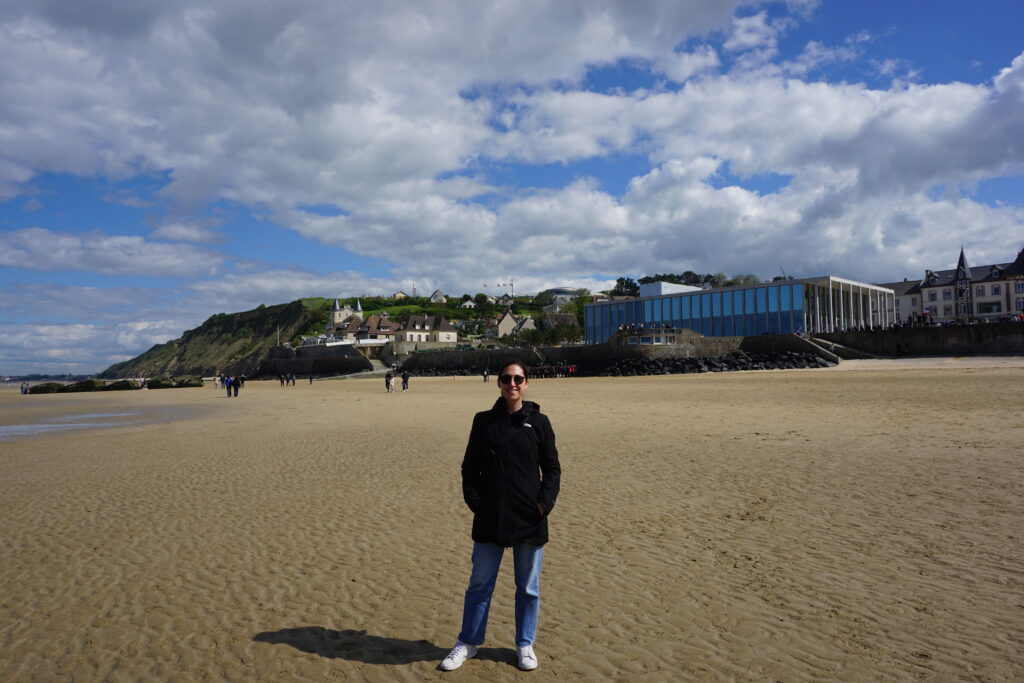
(485, 308)
(566, 333)
(715, 279)
(626, 286)
(542, 299)
(577, 307)
(697, 280)
(749, 279)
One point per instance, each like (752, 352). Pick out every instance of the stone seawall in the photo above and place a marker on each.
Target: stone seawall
(471, 358)
(345, 359)
(954, 340)
(783, 343)
(313, 360)
(584, 354)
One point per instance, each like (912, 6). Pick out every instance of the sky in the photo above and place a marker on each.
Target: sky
(163, 162)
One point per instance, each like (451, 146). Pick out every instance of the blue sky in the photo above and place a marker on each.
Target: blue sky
(162, 162)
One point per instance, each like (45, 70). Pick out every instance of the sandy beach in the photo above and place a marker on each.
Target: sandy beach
(864, 522)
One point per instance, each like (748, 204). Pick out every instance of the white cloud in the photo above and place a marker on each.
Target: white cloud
(77, 347)
(38, 302)
(46, 250)
(187, 232)
(816, 55)
(127, 199)
(308, 102)
(682, 66)
(404, 116)
(757, 32)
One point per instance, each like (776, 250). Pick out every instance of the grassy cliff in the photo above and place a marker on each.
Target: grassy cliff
(233, 343)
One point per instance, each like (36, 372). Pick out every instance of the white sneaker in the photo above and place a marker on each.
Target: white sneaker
(459, 654)
(527, 659)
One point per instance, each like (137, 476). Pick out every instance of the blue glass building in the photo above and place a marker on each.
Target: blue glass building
(811, 305)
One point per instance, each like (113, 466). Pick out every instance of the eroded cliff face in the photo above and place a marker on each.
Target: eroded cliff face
(232, 343)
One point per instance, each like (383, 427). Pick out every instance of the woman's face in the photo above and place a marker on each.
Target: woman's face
(510, 391)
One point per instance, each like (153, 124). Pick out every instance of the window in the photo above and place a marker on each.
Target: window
(947, 294)
(996, 290)
(932, 296)
(1019, 286)
(1020, 305)
(947, 310)
(990, 307)
(980, 290)
(897, 304)
(913, 301)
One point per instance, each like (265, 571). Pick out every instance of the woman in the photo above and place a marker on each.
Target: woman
(510, 480)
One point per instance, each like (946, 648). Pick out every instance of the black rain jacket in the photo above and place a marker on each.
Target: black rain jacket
(511, 465)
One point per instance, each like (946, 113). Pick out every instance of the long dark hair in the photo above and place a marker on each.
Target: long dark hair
(510, 363)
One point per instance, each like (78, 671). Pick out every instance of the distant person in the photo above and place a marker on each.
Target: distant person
(236, 384)
(510, 480)
(389, 382)
(227, 385)
(405, 380)
(487, 375)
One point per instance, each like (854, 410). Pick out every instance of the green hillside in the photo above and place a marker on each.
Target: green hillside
(233, 343)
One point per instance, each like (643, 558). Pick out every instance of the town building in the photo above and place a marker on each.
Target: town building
(506, 325)
(961, 294)
(818, 304)
(563, 295)
(438, 297)
(340, 315)
(550, 321)
(660, 288)
(427, 328)
(377, 327)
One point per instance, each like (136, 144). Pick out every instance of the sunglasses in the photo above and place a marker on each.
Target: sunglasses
(508, 379)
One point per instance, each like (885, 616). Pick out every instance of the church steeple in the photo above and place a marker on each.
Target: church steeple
(962, 285)
(962, 269)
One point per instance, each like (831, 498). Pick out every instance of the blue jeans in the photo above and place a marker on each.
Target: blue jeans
(486, 562)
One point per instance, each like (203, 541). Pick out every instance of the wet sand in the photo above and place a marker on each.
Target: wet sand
(861, 522)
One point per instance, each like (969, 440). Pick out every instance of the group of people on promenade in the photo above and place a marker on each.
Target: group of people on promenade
(389, 381)
(231, 383)
(553, 371)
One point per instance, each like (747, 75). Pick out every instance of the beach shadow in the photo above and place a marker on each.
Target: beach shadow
(359, 646)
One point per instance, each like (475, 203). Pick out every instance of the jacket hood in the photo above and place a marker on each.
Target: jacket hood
(529, 407)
